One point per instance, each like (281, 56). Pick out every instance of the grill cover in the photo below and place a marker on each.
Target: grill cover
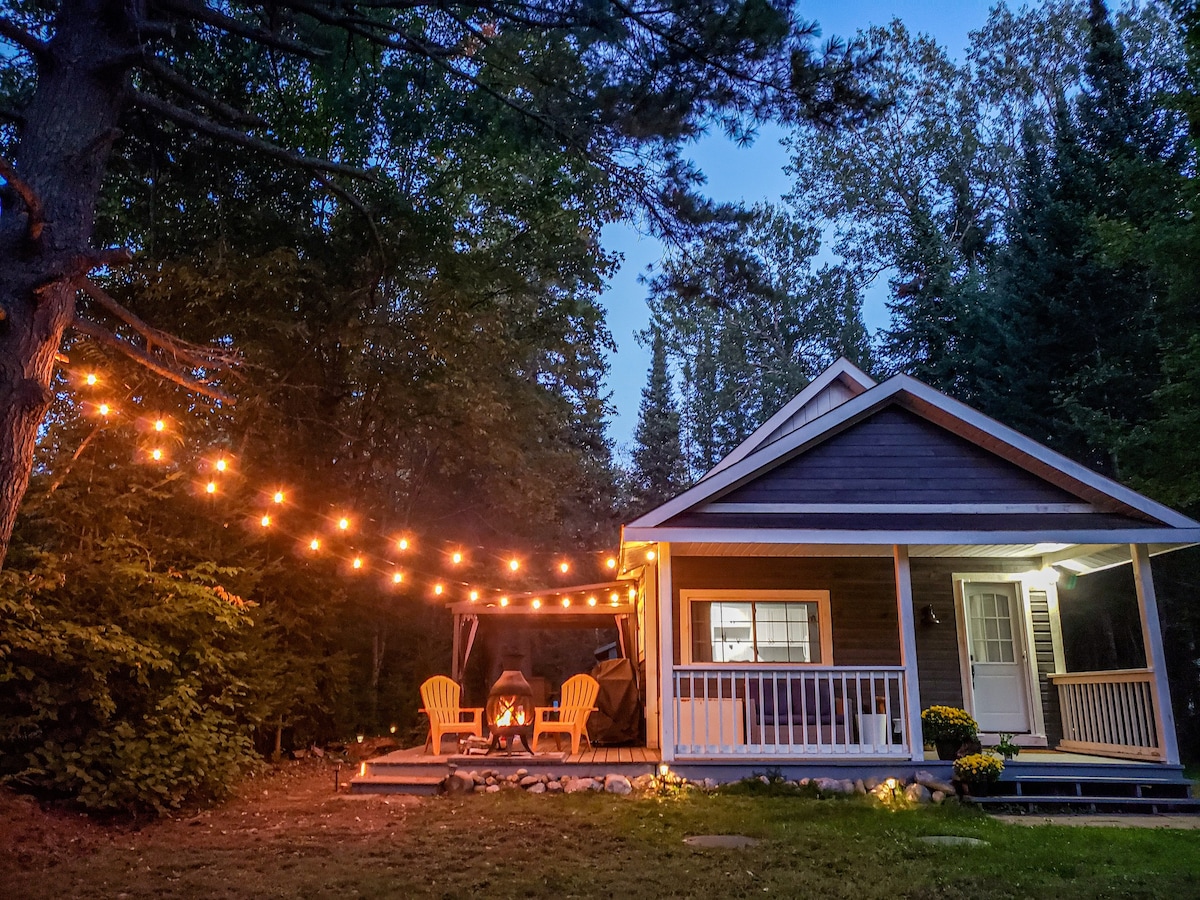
(618, 715)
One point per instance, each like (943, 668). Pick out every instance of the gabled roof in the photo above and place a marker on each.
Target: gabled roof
(830, 389)
(983, 482)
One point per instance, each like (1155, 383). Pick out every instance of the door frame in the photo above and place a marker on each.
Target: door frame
(1023, 623)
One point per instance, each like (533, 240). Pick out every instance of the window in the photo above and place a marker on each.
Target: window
(756, 627)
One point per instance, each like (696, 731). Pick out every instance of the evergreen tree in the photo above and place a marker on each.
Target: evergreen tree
(659, 471)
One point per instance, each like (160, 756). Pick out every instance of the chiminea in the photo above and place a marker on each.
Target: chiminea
(509, 712)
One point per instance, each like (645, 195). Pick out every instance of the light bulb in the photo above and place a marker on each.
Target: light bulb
(91, 378)
(357, 562)
(397, 578)
(504, 601)
(156, 454)
(222, 465)
(159, 424)
(566, 601)
(537, 604)
(591, 601)
(264, 521)
(437, 589)
(564, 567)
(211, 487)
(456, 558)
(278, 498)
(513, 565)
(611, 562)
(474, 596)
(402, 543)
(103, 409)
(650, 555)
(343, 523)
(314, 544)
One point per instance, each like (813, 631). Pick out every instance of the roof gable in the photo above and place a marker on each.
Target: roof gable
(1057, 490)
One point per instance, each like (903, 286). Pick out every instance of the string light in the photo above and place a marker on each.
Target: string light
(402, 543)
(222, 465)
(357, 562)
(632, 593)
(611, 562)
(314, 544)
(102, 409)
(343, 523)
(564, 567)
(456, 557)
(614, 597)
(156, 454)
(265, 521)
(591, 601)
(536, 604)
(504, 601)
(91, 378)
(566, 601)
(437, 589)
(514, 564)
(278, 498)
(211, 487)
(159, 424)
(397, 578)
(650, 555)
(474, 596)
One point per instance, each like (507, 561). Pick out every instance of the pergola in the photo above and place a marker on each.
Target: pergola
(616, 599)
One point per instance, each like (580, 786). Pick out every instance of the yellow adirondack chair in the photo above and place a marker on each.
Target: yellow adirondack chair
(441, 696)
(570, 717)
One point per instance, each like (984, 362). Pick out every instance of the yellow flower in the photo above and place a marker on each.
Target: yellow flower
(978, 767)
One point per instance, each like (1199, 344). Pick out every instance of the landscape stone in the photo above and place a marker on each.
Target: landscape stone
(938, 796)
(530, 780)
(493, 789)
(936, 784)
(917, 793)
(860, 787)
(709, 784)
(643, 782)
(458, 783)
(846, 786)
(537, 787)
(871, 783)
(521, 773)
(554, 787)
(617, 784)
(577, 785)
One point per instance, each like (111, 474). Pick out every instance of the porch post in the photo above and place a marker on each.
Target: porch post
(666, 644)
(650, 646)
(908, 652)
(455, 671)
(1164, 715)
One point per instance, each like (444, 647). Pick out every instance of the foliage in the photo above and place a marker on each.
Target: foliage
(978, 768)
(659, 469)
(1006, 747)
(947, 723)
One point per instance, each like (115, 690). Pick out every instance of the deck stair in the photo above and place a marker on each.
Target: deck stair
(1163, 790)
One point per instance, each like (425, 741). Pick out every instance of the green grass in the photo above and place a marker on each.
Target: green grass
(513, 845)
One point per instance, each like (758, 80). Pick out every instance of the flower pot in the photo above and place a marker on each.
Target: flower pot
(947, 749)
(980, 788)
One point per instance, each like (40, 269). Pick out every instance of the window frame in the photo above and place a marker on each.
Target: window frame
(824, 622)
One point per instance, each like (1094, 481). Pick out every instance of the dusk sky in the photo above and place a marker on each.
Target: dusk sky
(753, 174)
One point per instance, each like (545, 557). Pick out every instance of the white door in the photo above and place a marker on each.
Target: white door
(998, 665)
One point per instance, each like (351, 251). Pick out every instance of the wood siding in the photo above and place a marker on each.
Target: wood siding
(895, 456)
(1043, 644)
(862, 597)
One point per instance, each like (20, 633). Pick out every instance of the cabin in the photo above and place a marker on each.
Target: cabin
(872, 550)
(878, 548)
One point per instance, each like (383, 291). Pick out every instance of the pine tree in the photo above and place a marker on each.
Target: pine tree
(659, 471)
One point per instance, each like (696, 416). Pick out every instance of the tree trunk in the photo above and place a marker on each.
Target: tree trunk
(70, 125)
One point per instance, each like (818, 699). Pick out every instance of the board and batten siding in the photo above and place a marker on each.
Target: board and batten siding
(1043, 644)
(862, 597)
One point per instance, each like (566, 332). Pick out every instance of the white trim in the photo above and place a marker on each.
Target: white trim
(666, 653)
(652, 658)
(1034, 693)
(1164, 714)
(906, 623)
(900, 508)
(842, 369)
(858, 407)
(1036, 718)
(678, 534)
(705, 595)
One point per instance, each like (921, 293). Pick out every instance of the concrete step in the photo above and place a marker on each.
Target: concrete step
(423, 785)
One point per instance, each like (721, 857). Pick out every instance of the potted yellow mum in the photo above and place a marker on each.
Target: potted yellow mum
(978, 771)
(947, 728)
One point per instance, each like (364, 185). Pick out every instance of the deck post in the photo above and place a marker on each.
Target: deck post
(1164, 715)
(455, 668)
(666, 653)
(908, 652)
(650, 646)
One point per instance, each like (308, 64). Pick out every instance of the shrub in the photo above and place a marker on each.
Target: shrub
(948, 723)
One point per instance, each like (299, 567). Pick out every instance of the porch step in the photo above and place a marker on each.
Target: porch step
(423, 785)
(1168, 792)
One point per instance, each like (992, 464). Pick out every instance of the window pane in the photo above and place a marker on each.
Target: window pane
(757, 631)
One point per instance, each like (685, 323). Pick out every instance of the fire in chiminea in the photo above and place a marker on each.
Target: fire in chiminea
(509, 711)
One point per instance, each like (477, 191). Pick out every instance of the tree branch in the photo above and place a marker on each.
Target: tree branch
(230, 25)
(33, 205)
(106, 338)
(240, 138)
(190, 354)
(15, 34)
(357, 205)
(164, 73)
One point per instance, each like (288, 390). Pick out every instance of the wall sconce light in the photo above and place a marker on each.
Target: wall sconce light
(928, 616)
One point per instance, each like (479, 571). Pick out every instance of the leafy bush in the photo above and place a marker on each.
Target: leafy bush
(121, 687)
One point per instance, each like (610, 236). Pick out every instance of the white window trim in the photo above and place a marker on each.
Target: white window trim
(824, 622)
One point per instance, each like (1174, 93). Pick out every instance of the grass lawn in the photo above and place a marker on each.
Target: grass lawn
(298, 840)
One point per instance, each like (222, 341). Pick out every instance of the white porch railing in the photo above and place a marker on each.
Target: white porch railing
(1109, 713)
(790, 711)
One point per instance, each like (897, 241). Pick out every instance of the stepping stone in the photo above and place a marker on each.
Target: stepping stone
(721, 841)
(950, 840)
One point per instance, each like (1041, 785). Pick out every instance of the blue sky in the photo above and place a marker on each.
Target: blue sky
(752, 174)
